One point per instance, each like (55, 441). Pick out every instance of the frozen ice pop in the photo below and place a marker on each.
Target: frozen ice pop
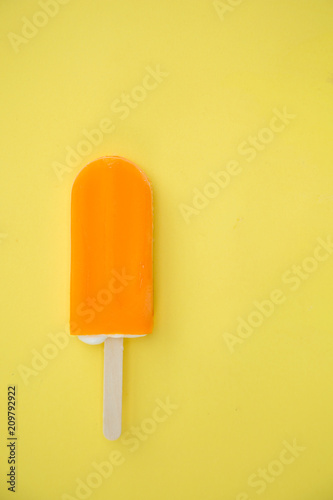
(111, 266)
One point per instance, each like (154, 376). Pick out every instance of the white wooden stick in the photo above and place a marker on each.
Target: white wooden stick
(113, 385)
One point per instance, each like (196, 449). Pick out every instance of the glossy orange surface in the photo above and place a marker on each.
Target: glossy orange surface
(111, 250)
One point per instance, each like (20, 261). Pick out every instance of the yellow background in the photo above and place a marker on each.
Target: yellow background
(226, 75)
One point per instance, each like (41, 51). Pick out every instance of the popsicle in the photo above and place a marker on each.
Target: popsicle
(111, 267)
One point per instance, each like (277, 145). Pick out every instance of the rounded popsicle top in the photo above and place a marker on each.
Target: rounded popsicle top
(117, 163)
(111, 250)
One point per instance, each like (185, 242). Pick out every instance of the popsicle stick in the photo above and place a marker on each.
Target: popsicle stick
(113, 385)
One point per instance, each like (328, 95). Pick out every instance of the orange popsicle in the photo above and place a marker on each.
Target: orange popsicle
(111, 268)
(111, 263)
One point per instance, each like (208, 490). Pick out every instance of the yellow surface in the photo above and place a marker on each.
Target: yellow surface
(239, 404)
